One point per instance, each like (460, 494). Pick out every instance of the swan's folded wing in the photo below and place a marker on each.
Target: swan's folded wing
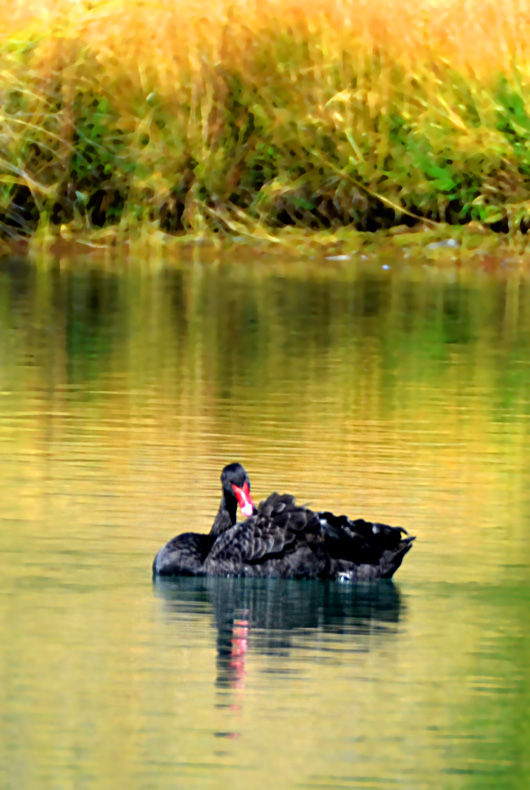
(278, 528)
(358, 540)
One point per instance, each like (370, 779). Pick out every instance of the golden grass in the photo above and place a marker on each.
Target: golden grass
(195, 116)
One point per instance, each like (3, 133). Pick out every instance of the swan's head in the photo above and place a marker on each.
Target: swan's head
(236, 483)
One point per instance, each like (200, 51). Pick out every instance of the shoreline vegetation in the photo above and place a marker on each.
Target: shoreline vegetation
(239, 119)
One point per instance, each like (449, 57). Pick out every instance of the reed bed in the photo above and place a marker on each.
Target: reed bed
(240, 117)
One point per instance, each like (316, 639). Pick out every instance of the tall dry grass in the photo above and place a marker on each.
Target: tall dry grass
(228, 116)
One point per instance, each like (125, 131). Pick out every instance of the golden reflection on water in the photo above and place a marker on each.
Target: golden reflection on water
(399, 395)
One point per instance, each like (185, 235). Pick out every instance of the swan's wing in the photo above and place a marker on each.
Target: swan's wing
(278, 527)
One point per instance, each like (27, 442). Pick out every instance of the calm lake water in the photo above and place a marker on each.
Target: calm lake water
(399, 394)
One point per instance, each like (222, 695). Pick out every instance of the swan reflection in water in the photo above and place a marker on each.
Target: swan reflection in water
(272, 616)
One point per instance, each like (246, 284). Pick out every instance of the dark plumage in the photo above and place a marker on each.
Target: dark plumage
(184, 555)
(361, 550)
(283, 539)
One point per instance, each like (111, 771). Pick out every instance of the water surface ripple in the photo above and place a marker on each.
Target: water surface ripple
(401, 395)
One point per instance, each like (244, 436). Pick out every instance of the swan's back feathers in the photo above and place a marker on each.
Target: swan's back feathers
(363, 549)
(280, 539)
(289, 540)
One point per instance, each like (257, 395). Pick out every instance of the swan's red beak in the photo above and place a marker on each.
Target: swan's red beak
(244, 500)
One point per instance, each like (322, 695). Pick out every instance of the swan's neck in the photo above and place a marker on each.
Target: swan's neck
(226, 515)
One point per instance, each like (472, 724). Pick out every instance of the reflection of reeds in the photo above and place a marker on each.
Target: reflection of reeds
(389, 395)
(231, 115)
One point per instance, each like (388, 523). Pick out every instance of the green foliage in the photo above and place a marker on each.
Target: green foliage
(287, 131)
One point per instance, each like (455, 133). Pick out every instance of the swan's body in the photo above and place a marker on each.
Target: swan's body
(283, 539)
(185, 554)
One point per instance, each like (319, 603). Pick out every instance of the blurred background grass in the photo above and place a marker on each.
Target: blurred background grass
(227, 117)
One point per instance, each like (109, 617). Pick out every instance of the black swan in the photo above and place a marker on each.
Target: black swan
(282, 539)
